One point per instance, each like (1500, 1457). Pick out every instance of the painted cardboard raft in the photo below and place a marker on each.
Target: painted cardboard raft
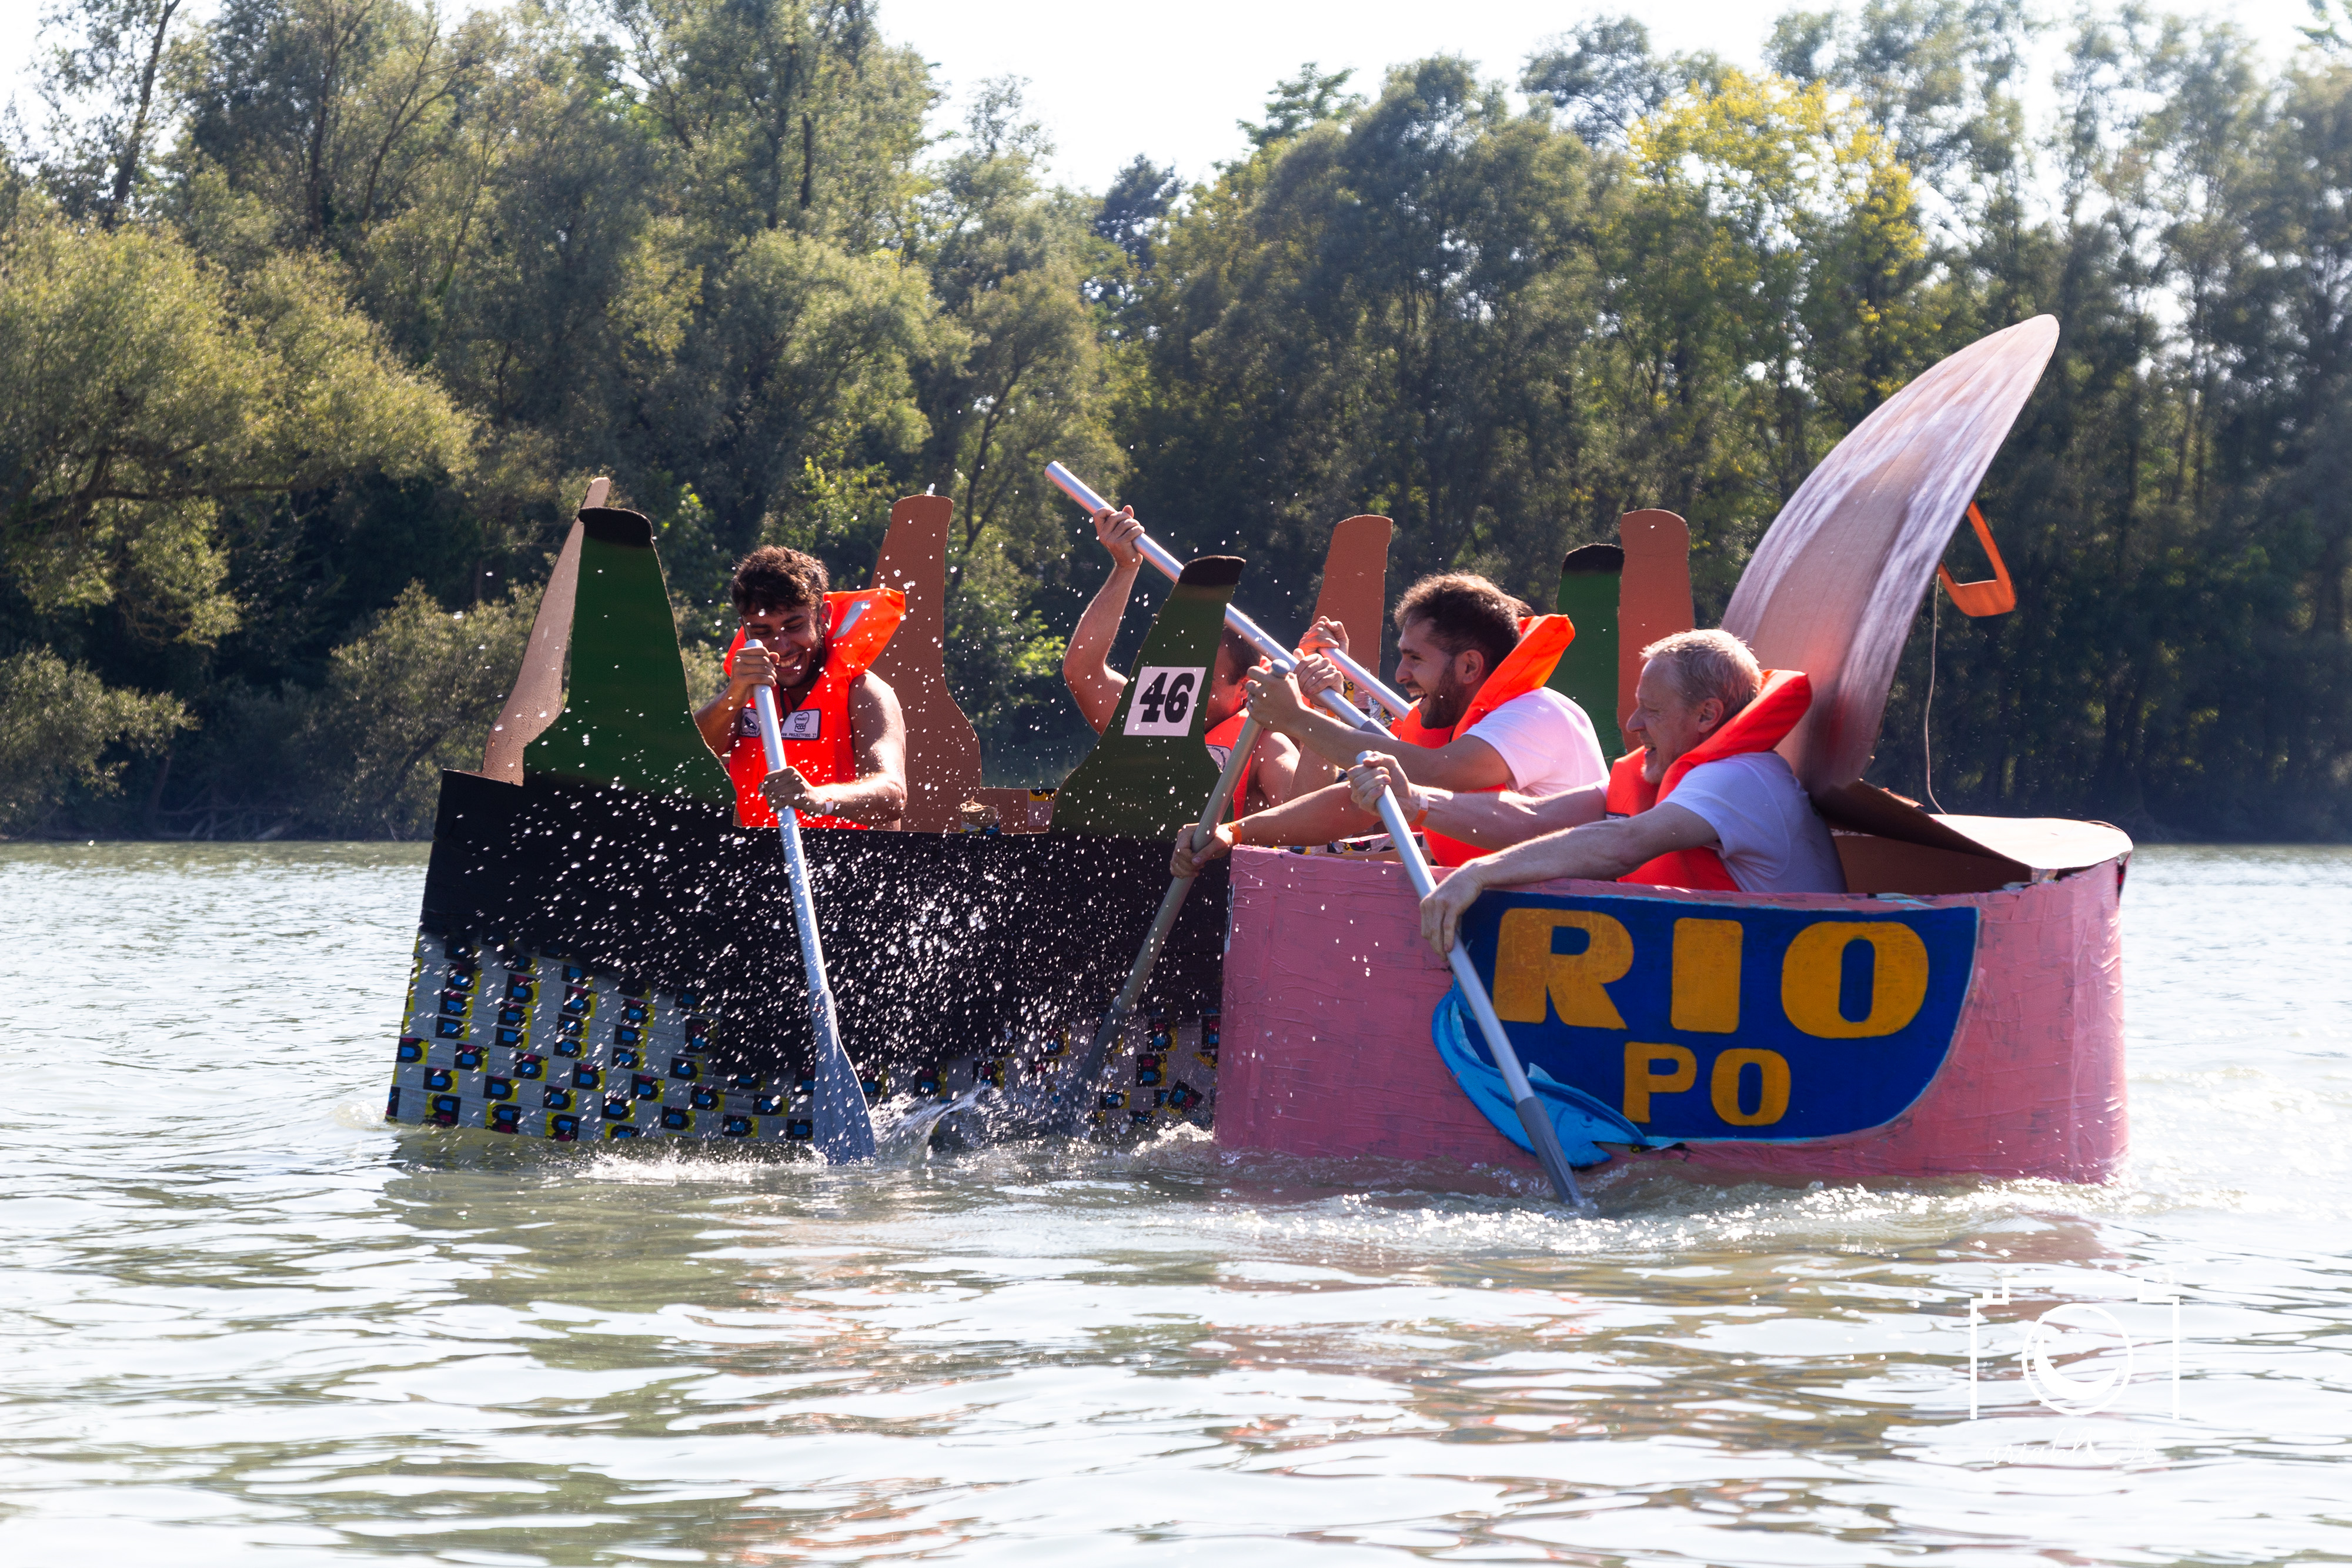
(603, 955)
(1804, 1036)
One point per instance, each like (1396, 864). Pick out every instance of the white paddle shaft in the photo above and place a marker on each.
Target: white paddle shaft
(1533, 1118)
(839, 1124)
(1158, 555)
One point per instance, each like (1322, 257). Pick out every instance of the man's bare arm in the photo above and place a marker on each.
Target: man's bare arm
(1085, 664)
(1314, 818)
(1274, 776)
(1601, 851)
(1464, 764)
(1490, 821)
(1498, 819)
(877, 796)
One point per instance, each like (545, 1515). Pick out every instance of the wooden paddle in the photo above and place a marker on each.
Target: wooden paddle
(1541, 1134)
(840, 1125)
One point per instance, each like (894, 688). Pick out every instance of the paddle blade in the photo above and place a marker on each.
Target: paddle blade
(1580, 1123)
(1537, 1123)
(841, 1128)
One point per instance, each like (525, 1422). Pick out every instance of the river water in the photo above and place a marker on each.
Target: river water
(242, 1323)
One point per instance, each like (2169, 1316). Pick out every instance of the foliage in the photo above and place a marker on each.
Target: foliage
(58, 724)
(315, 314)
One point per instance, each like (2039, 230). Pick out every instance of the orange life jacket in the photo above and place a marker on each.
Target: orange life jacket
(1221, 740)
(1762, 725)
(816, 734)
(1542, 639)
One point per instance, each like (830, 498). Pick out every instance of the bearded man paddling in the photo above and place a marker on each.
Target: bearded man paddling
(1475, 662)
(1705, 802)
(845, 739)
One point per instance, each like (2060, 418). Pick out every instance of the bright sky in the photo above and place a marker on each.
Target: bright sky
(1110, 79)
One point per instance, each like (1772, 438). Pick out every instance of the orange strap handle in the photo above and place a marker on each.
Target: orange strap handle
(1995, 596)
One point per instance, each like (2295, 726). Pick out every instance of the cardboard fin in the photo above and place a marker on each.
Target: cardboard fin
(1653, 599)
(1150, 772)
(1591, 581)
(1355, 580)
(1355, 594)
(942, 748)
(1833, 587)
(537, 694)
(627, 716)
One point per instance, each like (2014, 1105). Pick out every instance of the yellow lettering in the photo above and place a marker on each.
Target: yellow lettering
(1707, 976)
(1771, 1094)
(1641, 1082)
(1526, 970)
(1810, 979)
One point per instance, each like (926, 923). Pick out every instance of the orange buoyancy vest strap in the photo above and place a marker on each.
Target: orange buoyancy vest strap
(816, 734)
(1221, 740)
(1762, 725)
(1542, 639)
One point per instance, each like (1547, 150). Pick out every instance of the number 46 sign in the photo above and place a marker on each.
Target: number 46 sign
(1164, 698)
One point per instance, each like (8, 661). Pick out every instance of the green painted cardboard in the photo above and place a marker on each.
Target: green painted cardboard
(1587, 674)
(1149, 773)
(627, 716)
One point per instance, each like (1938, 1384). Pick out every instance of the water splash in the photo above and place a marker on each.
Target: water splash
(903, 1127)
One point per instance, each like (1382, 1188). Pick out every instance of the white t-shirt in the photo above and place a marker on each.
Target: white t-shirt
(1546, 741)
(1771, 839)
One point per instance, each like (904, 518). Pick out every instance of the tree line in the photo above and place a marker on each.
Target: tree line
(316, 315)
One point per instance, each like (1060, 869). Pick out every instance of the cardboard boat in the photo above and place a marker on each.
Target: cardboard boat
(603, 954)
(1957, 1012)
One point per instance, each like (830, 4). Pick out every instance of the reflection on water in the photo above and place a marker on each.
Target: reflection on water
(243, 1323)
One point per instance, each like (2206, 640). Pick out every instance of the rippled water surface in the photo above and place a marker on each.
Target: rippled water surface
(242, 1323)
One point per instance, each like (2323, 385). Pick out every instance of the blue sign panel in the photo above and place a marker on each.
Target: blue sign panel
(1717, 1021)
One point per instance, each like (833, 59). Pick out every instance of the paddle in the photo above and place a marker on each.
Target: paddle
(841, 1129)
(1090, 1064)
(1078, 490)
(1532, 1115)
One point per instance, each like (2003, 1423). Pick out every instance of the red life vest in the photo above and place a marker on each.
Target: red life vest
(1762, 725)
(1542, 639)
(816, 734)
(1221, 741)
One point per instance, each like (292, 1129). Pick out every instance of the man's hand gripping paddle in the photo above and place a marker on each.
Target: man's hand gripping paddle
(1158, 554)
(1541, 1133)
(841, 1130)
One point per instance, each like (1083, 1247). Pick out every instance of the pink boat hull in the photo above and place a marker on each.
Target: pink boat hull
(1328, 990)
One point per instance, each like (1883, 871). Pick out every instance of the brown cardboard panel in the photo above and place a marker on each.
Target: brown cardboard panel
(1834, 585)
(2048, 844)
(2036, 847)
(537, 696)
(1866, 808)
(1653, 596)
(1873, 864)
(1355, 594)
(942, 748)
(1355, 582)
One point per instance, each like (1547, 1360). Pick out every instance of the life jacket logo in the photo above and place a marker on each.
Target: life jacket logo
(801, 724)
(1163, 699)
